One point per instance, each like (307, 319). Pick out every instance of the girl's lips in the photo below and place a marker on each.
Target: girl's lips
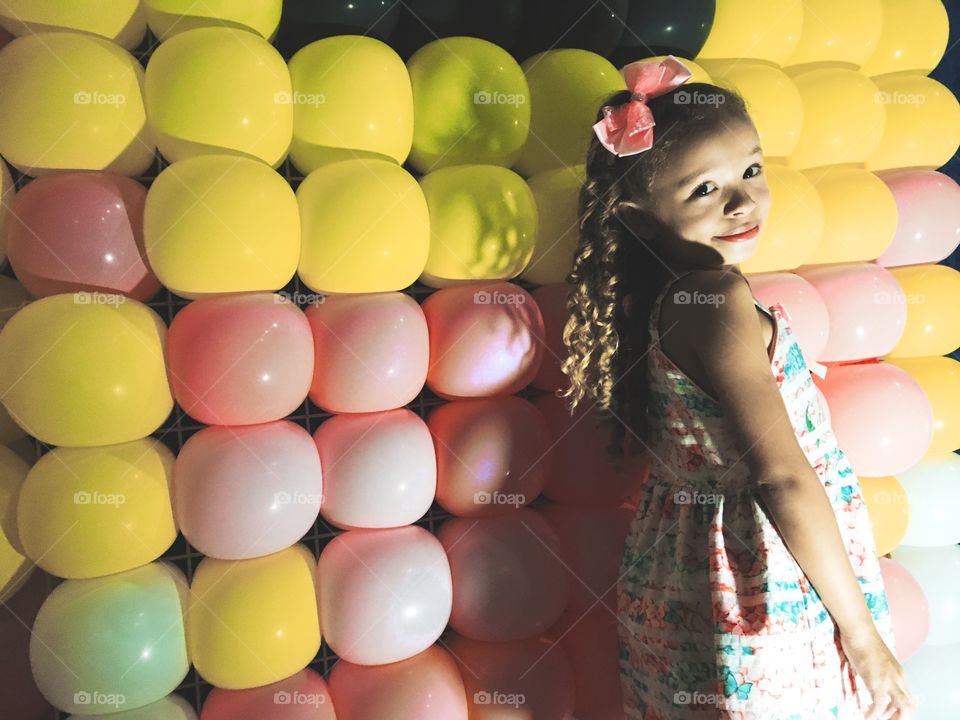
(739, 237)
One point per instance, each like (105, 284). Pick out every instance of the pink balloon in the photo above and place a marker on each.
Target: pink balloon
(908, 608)
(881, 416)
(80, 231)
(866, 307)
(427, 686)
(578, 472)
(302, 696)
(385, 595)
(552, 301)
(806, 311)
(371, 351)
(508, 573)
(381, 469)
(928, 217)
(485, 339)
(245, 491)
(516, 679)
(240, 359)
(593, 542)
(490, 455)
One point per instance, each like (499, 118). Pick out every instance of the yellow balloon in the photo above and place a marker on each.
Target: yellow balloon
(219, 90)
(72, 101)
(933, 324)
(843, 32)
(772, 100)
(697, 72)
(253, 622)
(89, 512)
(83, 369)
(795, 224)
(842, 120)
(913, 37)
(171, 17)
(860, 214)
(333, 118)
(757, 29)
(15, 567)
(889, 511)
(120, 21)
(923, 123)
(567, 88)
(556, 194)
(940, 379)
(483, 223)
(365, 227)
(243, 237)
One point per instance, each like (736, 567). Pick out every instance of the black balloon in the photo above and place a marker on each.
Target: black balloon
(423, 21)
(585, 24)
(304, 21)
(655, 27)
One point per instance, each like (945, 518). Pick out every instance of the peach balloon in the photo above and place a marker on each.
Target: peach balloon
(246, 491)
(496, 561)
(577, 452)
(880, 415)
(302, 696)
(908, 608)
(385, 595)
(866, 306)
(806, 311)
(552, 301)
(381, 469)
(529, 678)
(485, 339)
(427, 686)
(928, 216)
(371, 351)
(80, 231)
(889, 511)
(240, 359)
(490, 455)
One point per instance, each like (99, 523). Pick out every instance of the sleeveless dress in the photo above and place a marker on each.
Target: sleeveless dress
(717, 619)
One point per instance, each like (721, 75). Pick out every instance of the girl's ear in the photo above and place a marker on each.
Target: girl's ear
(637, 219)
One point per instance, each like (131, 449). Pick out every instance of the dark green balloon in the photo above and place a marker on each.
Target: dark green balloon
(655, 27)
(584, 24)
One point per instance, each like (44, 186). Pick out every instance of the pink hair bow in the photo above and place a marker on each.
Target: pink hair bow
(627, 129)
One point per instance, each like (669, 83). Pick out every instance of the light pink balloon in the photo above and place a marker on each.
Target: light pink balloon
(578, 472)
(302, 696)
(529, 678)
(508, 573)
(908, 608)
(380, 469)
(246, 491)
(881, 416)
(806, 311)
(491, 455)
(80, 231)
(427, 686)
(371, 351)
(485, 339)
(385, 595)
(552, 301)
(928, 216)
(240, 359)
(866, 307)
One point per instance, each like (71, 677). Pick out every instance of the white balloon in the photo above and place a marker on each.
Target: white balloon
(932, 681)
(933, 490)
(937, 569)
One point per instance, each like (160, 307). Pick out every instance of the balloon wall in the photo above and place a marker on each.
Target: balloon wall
(281, 310)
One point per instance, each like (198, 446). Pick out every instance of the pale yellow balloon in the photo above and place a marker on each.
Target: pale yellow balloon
(923, 123)
(940, 379)
(365, 227)
(794, 226)
(914, 37)
(860, 214)
(842, 120)
(72, 101)
(556, 195)
(171, 17)
(757, 29)
(772, 100)
(843, 32)
(697, 72)
(120, 21)
(933, 323)
(889, 510)
(89, 512)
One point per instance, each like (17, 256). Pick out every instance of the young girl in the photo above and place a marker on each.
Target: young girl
(749, 586)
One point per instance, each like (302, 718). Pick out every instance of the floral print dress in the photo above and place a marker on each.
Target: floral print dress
(717, 620)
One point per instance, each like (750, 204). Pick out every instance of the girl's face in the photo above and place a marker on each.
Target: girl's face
(715, 188)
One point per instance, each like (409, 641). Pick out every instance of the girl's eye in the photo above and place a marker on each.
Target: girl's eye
(697, 191)
(759, 168)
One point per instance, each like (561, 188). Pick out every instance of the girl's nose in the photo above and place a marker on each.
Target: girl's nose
(740, 203)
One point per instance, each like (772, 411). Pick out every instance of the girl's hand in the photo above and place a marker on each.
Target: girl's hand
(882, 674)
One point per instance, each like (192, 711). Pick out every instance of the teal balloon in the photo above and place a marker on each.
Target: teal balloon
(655, 27)
(113, 643)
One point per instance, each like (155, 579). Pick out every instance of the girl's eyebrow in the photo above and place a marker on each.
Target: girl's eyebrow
(688, 178)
